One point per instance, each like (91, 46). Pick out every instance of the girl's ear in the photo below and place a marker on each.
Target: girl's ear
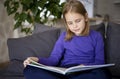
(86, 17)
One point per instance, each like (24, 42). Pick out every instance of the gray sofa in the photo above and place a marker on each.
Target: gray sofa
(42, 41)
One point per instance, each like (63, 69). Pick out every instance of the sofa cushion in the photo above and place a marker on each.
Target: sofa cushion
(39, 44)
(113, 47)
(14, 68)
(100, 28)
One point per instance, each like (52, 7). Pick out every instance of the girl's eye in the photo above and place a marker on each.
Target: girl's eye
(70, 23)
(78, 20)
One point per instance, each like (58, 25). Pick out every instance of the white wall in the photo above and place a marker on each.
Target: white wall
(89, 5)
(108, 7)
(6, 31)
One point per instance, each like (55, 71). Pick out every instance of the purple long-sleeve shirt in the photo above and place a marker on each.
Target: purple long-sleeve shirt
(88, 50)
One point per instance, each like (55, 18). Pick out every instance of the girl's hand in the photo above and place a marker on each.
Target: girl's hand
(29, 60)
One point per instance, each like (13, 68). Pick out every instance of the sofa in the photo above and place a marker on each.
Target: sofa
(42, 41)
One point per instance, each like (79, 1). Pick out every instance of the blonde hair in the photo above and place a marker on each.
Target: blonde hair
(76, 7)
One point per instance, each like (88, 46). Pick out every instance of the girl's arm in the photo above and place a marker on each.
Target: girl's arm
(99, 50)
(56, 54)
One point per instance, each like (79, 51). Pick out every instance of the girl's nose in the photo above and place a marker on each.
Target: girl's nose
(74, 25)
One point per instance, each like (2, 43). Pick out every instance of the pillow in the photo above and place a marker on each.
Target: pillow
(113, 47)
(40, 44)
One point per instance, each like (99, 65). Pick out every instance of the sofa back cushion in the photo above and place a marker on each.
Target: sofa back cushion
(41, 28)
(113, 47)
(100, 28)
(39, 44)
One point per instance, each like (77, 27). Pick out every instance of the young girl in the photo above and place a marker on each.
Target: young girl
(77, 46)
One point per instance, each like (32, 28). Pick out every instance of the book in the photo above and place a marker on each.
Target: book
(69, 70)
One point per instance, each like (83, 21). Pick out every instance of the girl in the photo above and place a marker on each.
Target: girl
(78, 45)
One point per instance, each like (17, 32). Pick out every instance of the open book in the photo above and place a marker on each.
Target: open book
(64, 71)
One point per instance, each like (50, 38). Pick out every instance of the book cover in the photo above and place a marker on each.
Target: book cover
(73, 69)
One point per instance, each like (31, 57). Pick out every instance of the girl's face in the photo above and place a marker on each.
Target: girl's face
(75, 22)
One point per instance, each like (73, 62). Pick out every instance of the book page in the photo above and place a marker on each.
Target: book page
(50, 68)
(36, 63)
(88, 67)
(68, 70)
